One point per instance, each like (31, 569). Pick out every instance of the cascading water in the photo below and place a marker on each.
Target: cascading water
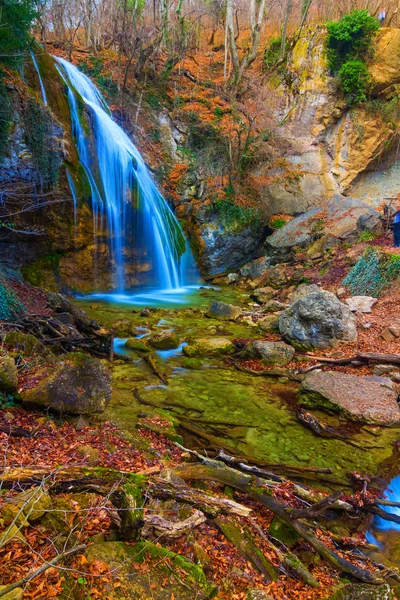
(116, 172)
(42, 88)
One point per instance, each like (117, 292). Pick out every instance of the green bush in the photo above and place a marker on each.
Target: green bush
(354, 80)
(95, 69)
(272, 52)
(350, 37)
(233, 216)
(277, 223)
(349, 45)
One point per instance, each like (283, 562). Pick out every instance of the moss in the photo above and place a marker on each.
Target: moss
(42, 272)
(280, 530)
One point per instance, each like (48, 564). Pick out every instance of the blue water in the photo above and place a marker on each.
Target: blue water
(392, 493)
(155, 297)
(165, 355)
(127, 207)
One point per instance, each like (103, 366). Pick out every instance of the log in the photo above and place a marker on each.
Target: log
(210, 505)
(163, 528)
(213, 470)
(243, 541)
(365, 357)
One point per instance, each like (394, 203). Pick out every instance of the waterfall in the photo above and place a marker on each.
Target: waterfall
(42, 88)
(127, 206)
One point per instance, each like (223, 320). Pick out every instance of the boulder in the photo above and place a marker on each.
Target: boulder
(26, 507)
(213, 346)
(273, 306)
(303, 290)
(165, 340)
(256, 268)
(342, 218)
(122, 327)
(263, 294)
(8, 374)
(360, 591)
(318, 320)
(361, 304)
(273, 353)
(77, 384)
(28, 345)
(62, 304)
(223, 311)
(270, 323)
(364, 399)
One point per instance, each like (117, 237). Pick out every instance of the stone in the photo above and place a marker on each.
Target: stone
(303, 290)
(387, 335)
(318, 320)
(214, 346)
(364, 399)
(263, 294)
(256, 268)
(274, 353)
(274, 306)
(341, 292)
(165, 340)
(16, 594)
(11, 533)
(361, 304)
(380, 370)
(89, 454)
(359, 591)
(223, 311)
(28, 345)
(8, 374)
(26, 507)
(270, 324)
(341, 217)
(395, 330)
(232, 277)
(137, 344)
(77, 384)
(122, 327)
(257, 594)
(81, 423)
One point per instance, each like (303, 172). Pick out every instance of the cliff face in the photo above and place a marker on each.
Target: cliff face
(317, 147)
(339, 150)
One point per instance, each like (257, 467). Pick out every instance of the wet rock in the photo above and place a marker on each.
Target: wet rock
(165, 340)
(318, 320)
(256, 268)
(8, 374)
(274, 353)
(342, 218)
(137, 345)
(270, 324)
(361, 304)
(364, 399)
(214, 346)
(263, 294)
(223, 311)
(77, 384)
(122, 327)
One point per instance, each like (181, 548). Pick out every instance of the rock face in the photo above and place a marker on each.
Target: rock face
(342, 218)
(318, 321)
(78, 384)
(213, 346)
(223, 311)
(8, 374)
(256, 268)
(274, 353)
(359, 398)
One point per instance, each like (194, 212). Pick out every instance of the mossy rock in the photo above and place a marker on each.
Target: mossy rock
(171, 575)
(16, 594)
(78, 384)
(213, 346)
(8, 374)
(165, 340)
(26, 507)
(122, 327)
(28, 345)
(137, 345)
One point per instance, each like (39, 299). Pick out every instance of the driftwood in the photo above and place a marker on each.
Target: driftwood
(164, 528)
(357, 360)
(213, 470)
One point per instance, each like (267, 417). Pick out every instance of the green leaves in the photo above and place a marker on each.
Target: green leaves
(16, 17)
(349, 45)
